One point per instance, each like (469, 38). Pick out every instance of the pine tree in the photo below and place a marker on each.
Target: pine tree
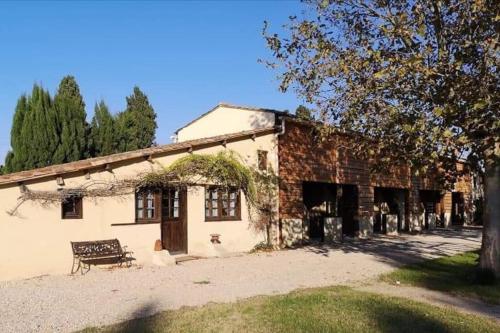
(136, 126)
(102, 132)
(71, 122)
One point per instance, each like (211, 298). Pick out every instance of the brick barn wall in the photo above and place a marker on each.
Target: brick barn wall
(302, 159)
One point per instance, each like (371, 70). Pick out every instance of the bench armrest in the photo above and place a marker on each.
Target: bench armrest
(125, 251)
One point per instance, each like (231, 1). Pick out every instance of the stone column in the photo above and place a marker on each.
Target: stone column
(447, 220)
(365, 210)
(432, 218)
(392, 224)
(365, 226)
(333, 229)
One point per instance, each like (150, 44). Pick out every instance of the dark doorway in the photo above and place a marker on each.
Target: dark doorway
(348, 209)
(174, 222)
(323, 200)
(320, 202)
(389, 201)
(457, 208)
(431, 203)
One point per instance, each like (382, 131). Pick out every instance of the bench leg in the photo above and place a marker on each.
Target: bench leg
(127, 257)
(85, 268)
(129, 260)
(77, 263)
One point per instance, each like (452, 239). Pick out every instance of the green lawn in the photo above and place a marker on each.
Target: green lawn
(334, 309)
(455, 274)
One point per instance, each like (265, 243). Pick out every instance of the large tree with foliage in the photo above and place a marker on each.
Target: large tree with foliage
(136, 126)
(71, 122)
(33, 134)
(102, 132)
(420, 77)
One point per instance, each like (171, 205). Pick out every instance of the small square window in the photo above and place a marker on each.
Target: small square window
(72, 208)
(146, 205)
(222, 204)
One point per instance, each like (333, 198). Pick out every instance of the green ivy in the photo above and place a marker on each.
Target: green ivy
(223, 169)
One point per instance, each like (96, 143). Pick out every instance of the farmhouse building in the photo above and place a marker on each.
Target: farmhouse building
(324, 194)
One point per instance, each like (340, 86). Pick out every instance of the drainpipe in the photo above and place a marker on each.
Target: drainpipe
(282, 125)
(279, 235)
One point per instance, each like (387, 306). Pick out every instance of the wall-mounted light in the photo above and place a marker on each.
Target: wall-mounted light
(60, 181)
(22, 188)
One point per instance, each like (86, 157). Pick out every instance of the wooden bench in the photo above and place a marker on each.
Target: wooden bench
(98, 252)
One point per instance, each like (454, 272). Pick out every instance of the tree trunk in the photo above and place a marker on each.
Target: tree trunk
(490, 250)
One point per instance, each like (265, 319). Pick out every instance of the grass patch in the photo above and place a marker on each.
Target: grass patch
(455, 274)
(333, 309)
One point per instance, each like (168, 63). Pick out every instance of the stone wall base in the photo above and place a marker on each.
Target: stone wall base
(447, 220)
(416, 222)
(292, 232)
(432, 220)
(366, 226)
(392, 224)
(333, 229)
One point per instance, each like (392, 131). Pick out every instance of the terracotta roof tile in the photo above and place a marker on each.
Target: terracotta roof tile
(96, 162)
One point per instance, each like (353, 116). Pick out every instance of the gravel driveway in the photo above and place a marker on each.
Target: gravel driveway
(68, 303)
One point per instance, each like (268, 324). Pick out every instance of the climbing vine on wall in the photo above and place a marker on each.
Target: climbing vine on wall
(223, 169)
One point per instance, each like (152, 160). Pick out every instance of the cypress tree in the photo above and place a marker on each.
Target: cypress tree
(136, 126)
(39, 138)
(15, 164)
(33, 133)
(9, 161)
(71, 122)
(102, 132)
(46, 131)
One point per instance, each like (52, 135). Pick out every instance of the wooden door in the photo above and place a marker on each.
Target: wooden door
(173, 219)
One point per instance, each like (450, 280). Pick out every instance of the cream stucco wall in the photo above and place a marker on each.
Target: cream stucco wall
(36, 241)
(235, 236)
(225, 120)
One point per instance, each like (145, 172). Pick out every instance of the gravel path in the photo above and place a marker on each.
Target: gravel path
(67, 303)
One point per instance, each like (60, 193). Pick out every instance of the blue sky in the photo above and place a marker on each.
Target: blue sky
(186, 56)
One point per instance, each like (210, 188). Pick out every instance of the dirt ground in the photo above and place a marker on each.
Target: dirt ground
(67, 303)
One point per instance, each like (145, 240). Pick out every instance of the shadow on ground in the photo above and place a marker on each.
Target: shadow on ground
(405, 249)
(141, 320)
